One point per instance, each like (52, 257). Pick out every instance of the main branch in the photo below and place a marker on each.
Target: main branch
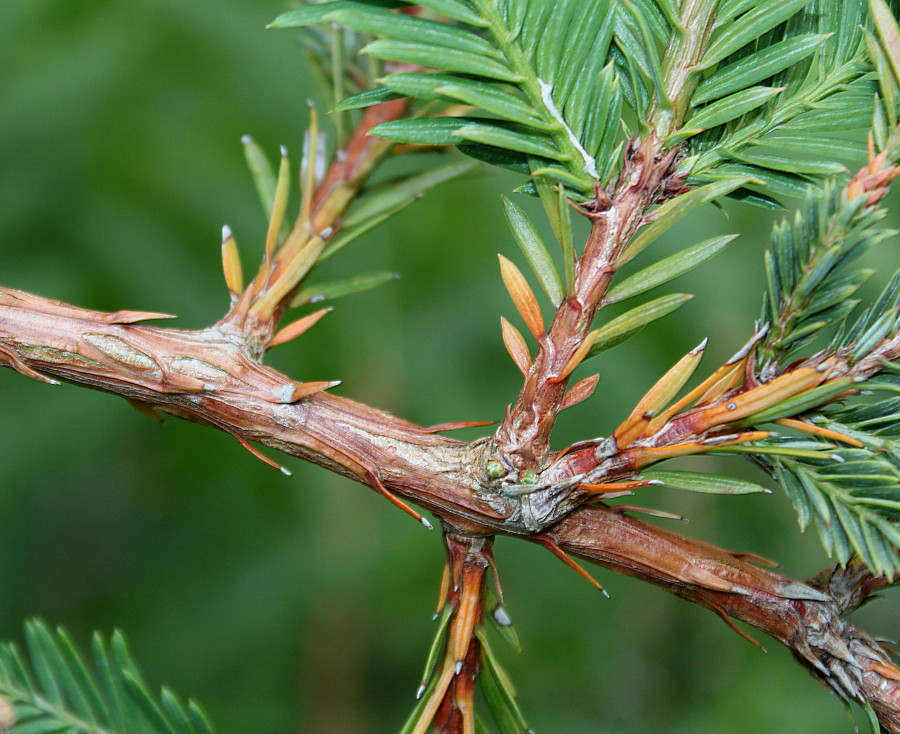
(205, 377)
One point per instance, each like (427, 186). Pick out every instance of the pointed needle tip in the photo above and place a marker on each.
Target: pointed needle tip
(425, 522)
(605, 593)
(420, 691)
(459, 667)
(284, 151)
(246, 139)
(226, 233)
(700, 347)
(284, 470)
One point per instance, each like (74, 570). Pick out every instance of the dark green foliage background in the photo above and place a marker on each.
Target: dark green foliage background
(303, 604)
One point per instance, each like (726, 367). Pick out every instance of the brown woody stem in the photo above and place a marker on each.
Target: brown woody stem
(524, 436)
(205, 377)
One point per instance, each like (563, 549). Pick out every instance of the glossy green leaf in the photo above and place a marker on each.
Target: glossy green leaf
(748, 27)
(665, 216)
(581, 95)
(832, 120)
(499, 137)
(435, 57)
(852, 494)
(262, 172)
(819, 145)
(508, 159)
(801, 403)
(669, 268)
(880, 330)
(423, 131)
(887, 84)
(629, 323)
(889, 33)
(757, 67)
(493, 100)
(331, 289)
(148, 706)
(767, 180)
(402, 27)
(641, 47)
(109, 677)
(452, 9)
(759, 449)
(447, 87)
(535, 250)
(654, 18)
(436, 649)
(555, 174)
(706, 483)
(880, 126)
(728, 10)
(417, 84)
(727, 109)
(310, 14)
(366, 99)
(790, 165)
(566, 237)
(598, 135)
(872, 719)
(754, 198)
(502, 623)
(49, 670)
(85, 694)
(499, 693)
(556, 206)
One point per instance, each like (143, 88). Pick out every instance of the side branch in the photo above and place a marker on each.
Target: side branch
(524, 436)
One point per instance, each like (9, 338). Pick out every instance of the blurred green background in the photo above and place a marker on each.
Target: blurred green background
(303, 604)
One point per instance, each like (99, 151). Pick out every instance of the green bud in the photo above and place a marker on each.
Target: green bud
(495, 470)
(528, 477)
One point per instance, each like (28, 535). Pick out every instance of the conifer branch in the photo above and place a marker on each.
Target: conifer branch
(256, 312)
(447, 477)
(524, 435)
(695, 121)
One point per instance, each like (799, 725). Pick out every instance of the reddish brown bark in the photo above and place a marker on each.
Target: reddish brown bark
(524, 436)
(208, 378)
